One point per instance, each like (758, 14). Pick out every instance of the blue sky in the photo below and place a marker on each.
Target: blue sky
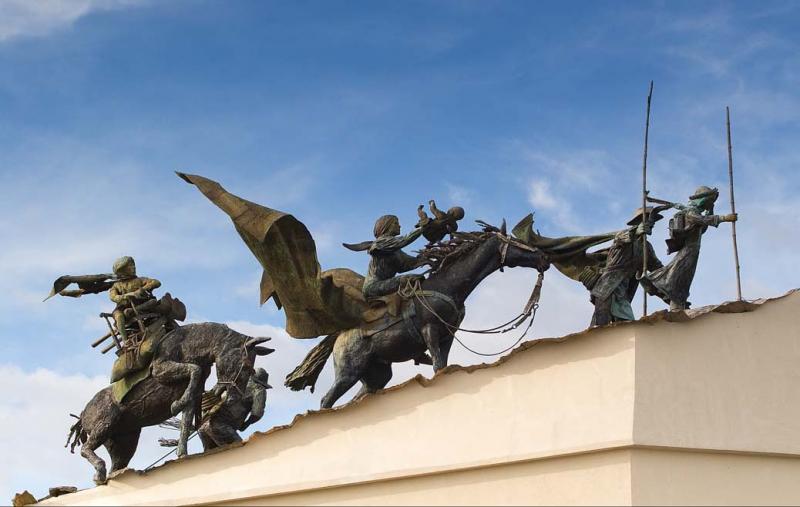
(340, 112)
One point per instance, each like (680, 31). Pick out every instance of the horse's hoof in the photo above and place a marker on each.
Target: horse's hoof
(100, 478)
(176, 407)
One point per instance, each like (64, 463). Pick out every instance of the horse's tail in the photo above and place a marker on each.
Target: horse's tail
(76, 431)
(306, 374)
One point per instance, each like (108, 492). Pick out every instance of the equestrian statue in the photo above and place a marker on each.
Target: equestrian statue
(370, 322)
(161, 366)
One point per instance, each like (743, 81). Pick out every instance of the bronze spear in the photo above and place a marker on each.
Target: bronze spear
(644, 198)
(733, 204)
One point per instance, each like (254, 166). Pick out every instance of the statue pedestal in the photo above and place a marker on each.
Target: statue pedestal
(705, 411)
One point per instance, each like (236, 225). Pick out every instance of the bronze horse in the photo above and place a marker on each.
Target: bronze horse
(179, 369)
(432, 315)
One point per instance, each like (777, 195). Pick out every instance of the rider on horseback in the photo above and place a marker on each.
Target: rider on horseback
(387, 258)
(129, 290)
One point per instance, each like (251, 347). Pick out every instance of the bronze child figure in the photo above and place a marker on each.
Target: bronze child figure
(672, 282)
(442, 223)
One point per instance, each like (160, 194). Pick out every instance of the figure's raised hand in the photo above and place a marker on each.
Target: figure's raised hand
(731, 217)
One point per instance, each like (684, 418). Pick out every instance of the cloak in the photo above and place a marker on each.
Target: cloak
(315, 302)
(568, 254)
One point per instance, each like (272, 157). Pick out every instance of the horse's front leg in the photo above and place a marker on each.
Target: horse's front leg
(171, 371)
(168, 372)
(431, 334)
(445, 344)
(187, 419)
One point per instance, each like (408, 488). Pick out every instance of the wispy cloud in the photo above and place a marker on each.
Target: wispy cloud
(540, 195)
(555, 179)
(34, 421)
(459, 195)
(20, 18)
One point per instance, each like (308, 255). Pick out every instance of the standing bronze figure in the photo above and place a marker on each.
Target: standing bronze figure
(614, 290)
(672, 282)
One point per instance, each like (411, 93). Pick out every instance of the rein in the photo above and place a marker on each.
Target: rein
(234, 383)
(414, 289)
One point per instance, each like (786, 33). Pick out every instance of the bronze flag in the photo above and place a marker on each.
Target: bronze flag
(315, 302)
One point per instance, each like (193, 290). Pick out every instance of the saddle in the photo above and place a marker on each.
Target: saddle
(380, 307)
(147, 327)
(383, 313)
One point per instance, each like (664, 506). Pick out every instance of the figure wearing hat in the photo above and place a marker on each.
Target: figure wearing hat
(222, 420)
(614, 290)
(127, 290)
(387, 257)
(672, 282)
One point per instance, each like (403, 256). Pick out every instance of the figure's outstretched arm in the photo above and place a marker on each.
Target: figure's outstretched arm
(151, 284)
(715, 220)
(397, 242)
(436, 211)
(423, 217)
(409, 262)
(410, 237)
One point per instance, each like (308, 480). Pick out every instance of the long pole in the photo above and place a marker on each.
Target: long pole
(733, 204)
(644, 197)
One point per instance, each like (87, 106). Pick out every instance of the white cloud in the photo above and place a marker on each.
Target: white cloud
(540, 195)
(40, 17)
(554, 180)
(459, 195)
(34, 422)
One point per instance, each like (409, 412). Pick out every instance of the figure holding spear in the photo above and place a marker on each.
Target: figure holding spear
(672, 282)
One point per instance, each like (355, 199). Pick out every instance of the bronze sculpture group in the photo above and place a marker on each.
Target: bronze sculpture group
(393, 314)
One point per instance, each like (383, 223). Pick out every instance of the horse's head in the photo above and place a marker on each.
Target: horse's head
(492, 243)
(515, 253)
(254, 348)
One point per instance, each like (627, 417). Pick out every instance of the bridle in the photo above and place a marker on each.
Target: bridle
(507, 241)
(413, 288)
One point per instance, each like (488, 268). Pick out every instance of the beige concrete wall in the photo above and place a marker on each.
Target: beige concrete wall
(558, 423)
(722, 381)
(603, 476)
(668, 477)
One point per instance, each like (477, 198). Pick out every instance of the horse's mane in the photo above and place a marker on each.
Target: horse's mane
(443, 254)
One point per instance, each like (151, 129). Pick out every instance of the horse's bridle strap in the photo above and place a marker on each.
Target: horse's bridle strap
(508, 241)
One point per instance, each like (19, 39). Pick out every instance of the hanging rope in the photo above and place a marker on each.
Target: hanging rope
(414, 289)
(486, 354)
